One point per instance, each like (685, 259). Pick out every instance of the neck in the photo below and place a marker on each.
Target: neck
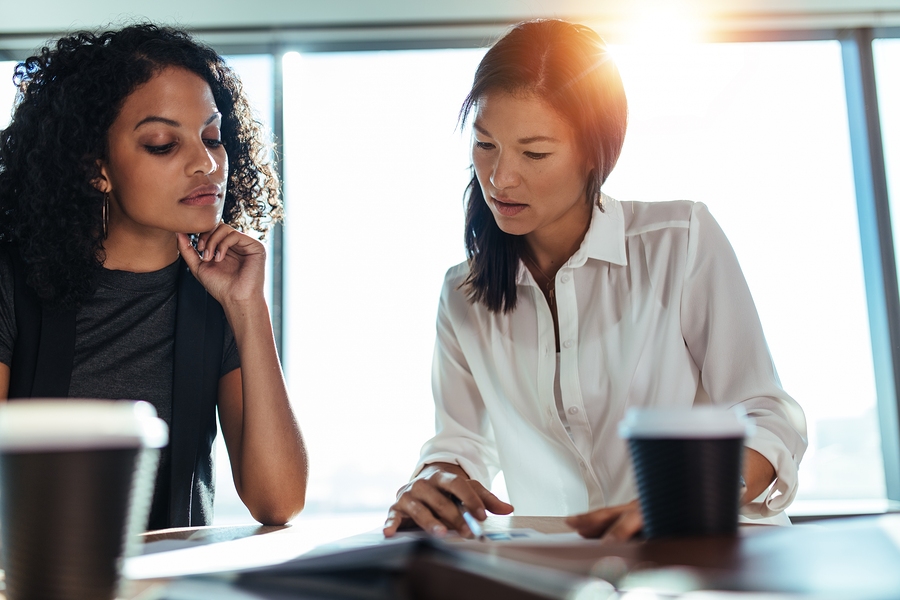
(139, 254)
(551, 246)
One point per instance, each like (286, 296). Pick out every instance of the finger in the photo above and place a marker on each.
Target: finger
(463, 489)
(393, 523)
(201, 239)
(242, 244)
(491, 502)
(422, 516)
(187, 252)
(595, 523)
(625, 527)
(212, 240)
(441, 505)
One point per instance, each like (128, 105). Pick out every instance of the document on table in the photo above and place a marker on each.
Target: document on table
(368, 566)
(172, 558)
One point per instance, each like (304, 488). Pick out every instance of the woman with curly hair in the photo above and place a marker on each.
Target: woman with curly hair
(128, 174)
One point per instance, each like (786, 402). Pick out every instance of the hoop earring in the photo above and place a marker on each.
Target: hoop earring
(104, 215)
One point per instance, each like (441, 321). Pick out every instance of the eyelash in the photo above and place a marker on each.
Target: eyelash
(531, 155)
(166, 148)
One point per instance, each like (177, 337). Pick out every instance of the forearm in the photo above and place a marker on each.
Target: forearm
(758, 475)
(271, 460)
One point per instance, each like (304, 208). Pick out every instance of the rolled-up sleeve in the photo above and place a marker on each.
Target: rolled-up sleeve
(463, 431)
(723, 333)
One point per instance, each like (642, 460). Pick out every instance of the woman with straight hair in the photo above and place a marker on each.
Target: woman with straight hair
(574, 306)
(128, 173)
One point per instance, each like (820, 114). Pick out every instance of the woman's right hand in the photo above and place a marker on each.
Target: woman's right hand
(426, 501)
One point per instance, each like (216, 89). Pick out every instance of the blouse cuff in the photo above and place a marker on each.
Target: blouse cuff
(475, 470)
(781, 493)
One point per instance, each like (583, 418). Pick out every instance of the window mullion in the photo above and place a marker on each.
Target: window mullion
(879, 264)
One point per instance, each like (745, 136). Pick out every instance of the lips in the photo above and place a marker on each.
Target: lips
(508, 208)
(202, 196)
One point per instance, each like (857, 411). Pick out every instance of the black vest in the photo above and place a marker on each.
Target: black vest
(42, 362)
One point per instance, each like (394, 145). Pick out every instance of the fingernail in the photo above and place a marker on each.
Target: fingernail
(218, 258)
(206, 255)
(439, 530)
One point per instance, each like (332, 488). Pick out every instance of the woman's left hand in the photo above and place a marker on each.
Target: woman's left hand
(231, 265)
(615, 523)
(620, 523)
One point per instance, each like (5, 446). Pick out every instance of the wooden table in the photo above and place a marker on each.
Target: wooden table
(848, 558)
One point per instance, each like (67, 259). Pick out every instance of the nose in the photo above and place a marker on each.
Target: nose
(504, 174)
(202, 161)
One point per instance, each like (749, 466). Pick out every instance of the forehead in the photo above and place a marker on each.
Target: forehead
(521, 115)
(173, 93)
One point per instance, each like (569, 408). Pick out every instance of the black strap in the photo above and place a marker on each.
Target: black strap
(199, 340)
(44, 349)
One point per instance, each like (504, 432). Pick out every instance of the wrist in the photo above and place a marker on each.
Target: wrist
(245, 307)
(246, 315)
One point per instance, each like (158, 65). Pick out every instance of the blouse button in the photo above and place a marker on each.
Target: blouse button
(549, 413)
(565, 279)
(568, 343)
(573, 410)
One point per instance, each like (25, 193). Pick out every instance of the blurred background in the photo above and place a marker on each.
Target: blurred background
(782, 116)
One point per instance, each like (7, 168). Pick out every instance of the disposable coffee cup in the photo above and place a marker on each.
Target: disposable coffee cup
(76, 483)
(687, 464)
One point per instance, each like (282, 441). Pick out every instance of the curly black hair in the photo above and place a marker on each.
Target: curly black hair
(68, 97)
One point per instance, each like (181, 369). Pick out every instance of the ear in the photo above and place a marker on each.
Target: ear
(101, 183)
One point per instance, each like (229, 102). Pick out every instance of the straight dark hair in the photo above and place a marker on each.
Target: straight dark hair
(569, 67)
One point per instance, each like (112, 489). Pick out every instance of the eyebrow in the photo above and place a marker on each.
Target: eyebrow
(171, 123)
(527, 140)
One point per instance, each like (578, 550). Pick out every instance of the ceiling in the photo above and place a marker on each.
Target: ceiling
(414, 21)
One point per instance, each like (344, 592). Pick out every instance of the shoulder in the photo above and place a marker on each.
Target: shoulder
(644, 217)
(682, 220)
(453, 291)
(454, 303)
(456, 275)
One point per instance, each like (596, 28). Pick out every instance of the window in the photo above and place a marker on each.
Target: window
(758, 131)
(375, 172)
(7, 91)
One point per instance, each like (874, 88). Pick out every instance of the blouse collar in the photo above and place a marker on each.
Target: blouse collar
(604, 240)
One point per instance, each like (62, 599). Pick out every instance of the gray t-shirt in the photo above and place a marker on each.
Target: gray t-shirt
(124, 346)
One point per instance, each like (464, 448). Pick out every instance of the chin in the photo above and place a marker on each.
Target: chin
(511, 226)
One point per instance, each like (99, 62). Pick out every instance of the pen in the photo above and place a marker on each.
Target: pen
(472, 522)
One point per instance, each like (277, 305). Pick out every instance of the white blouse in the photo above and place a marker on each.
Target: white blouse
(653, 310)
